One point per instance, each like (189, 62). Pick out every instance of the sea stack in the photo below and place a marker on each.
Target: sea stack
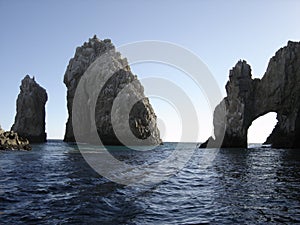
(30, 117)
(247, 99)
(97, 64)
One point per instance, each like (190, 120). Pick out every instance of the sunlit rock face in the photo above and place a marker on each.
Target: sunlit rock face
(247, 99)
(106, 98)
(10, 140)
(30, 117)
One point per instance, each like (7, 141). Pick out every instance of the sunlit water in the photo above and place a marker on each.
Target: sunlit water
(53, 184)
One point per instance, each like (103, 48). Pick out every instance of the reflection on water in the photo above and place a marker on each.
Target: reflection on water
(54, 185)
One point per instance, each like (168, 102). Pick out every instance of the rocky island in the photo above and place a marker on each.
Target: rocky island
(142, 119)
(30, 117)
(247, 99)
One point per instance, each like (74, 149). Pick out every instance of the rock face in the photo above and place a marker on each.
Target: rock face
(10, 140)
(30, 117)
(247, 99)
(108, 111)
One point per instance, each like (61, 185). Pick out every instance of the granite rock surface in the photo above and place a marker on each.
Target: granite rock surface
(10, 140)
(109, 99)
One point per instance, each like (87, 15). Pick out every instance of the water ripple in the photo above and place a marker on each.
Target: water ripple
(54, 185)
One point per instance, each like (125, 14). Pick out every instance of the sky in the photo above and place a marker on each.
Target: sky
(40, 37)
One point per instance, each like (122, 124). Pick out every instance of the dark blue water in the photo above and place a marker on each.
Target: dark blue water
(53, 184)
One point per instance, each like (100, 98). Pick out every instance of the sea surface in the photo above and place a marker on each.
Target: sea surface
(53, 184)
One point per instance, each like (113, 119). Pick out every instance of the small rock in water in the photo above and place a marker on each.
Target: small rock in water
(9, 140)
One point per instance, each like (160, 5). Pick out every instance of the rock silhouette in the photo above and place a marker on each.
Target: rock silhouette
(30, 117)
(247, 99)
(111, 98)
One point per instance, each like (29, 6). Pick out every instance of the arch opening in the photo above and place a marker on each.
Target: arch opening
(261, 128)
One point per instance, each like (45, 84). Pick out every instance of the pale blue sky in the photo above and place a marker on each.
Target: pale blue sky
(39, 38)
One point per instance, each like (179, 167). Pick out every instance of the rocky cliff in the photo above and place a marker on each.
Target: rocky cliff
(247, 99)
(116, 79)
(30, 117)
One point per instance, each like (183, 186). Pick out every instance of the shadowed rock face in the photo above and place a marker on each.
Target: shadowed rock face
(30, 117)
(109, 78)
(247, 99)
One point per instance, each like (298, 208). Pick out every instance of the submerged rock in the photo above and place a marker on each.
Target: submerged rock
(247, 99)
(30, 117)
(10, 140)
(97, 64)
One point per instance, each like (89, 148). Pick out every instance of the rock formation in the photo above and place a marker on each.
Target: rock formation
(10, 140)
(116, 78)
(247, 99)
(30, 117)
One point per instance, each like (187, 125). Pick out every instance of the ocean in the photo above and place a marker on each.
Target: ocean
(53, 184)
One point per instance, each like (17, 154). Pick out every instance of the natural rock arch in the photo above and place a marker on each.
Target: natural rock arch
(247, 99)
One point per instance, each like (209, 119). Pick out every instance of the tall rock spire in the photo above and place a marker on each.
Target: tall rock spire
(140, 117)
(30, 117)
